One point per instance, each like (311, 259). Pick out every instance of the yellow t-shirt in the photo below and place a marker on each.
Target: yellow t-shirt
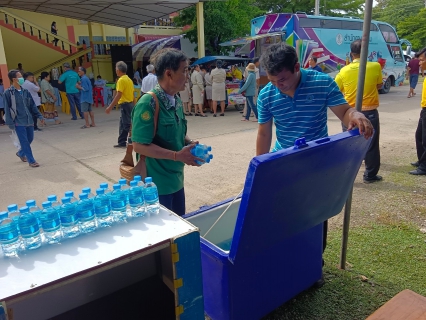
(423, 102)
(125, 86)
(237, 74)
(347, 80)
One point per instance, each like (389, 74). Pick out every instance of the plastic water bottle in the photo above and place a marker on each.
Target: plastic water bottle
(55, 203)
(138, 179)
(29, 229)
(13, 212)
(69, 219)
(87, 190)
(9, 237)
(150, 193)
(202, 151)
(86, 213)
(136, 200)
(51, 223)
(35, 210)
(103, 209)
(70, 194)
(3, 215)
(125, 188)
(118, 203)
(104, 185)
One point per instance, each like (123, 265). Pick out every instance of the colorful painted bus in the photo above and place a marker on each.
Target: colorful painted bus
(328, 39)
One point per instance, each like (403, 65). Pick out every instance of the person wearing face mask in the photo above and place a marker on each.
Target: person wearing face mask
(19, 108)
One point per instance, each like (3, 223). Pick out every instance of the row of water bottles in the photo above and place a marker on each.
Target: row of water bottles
(30, 226)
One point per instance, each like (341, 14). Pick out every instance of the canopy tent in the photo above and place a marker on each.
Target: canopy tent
(229, 60)
(142, 51)
(124, 13)
(246, 40)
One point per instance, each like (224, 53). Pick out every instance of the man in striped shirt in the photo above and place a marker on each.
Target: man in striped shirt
(297, 101)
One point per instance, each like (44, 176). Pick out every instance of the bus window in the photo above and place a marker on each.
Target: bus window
(351, 25)
(397, 55)
(331, 24)
(388, 33)
(309, 23)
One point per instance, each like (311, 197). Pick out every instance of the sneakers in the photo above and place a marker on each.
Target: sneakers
(418, 172)
(38, 129)
(120, 146)
(415, 164)
(373, 179)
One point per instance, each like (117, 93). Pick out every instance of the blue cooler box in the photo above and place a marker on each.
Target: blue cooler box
(267, 247)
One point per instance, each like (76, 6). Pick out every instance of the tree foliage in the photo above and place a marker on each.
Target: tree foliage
(223, 21)
(395, 11)
(327, 7)
(412, 28)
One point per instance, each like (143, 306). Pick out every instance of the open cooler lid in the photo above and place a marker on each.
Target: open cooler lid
(295, 189)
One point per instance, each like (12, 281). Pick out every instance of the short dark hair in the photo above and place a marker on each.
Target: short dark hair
(279, 57)
(27, 74)
(421, 52)
(219, 64)
(19, 64)
(12, 74)
(44, 74)
(165, 59)
(99, 77)
(315, 59)
(82, 69)
(256, 60)
(356, 47)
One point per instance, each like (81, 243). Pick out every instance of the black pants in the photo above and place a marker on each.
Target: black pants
(421, 140)
(372, 158)
(125, 122)
(35, 119)
(174, 202)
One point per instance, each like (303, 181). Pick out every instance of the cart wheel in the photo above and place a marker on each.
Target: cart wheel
(239, 107)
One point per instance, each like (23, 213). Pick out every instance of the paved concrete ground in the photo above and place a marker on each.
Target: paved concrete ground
(72, 158)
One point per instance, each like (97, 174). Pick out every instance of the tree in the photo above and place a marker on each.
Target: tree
(223, 21)
(327, 7)
(412, 28)
(395, 11)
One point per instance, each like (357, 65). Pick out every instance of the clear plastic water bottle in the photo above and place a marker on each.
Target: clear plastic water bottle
(3, 215)
(87, 190)
(104, 185)
(13, 212)
(136, 200)
(202, 151)
(51, 223)
(86, 213)
(69, 218)
(138, 179)
(35, 210)
(70, 194)
(118, 203)
(103, 208)
(9, 237)
(55, 203)
(150, 193)
(125, 188)
(29, 229)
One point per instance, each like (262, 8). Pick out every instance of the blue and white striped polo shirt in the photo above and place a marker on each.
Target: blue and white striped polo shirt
(304, 115)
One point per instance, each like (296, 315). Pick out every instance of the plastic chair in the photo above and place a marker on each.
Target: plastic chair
(65, 103)
(98, 93)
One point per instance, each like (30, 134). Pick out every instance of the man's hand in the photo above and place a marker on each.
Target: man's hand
(187, 157)
(357, 119)
(108, 109)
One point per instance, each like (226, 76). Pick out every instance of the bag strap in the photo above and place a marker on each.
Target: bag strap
(13, 101)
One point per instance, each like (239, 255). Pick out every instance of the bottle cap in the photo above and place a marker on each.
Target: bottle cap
(47, 204)
(24, 209)
(209, 148)
(104, 185)
(86, 190)
(65, 199)
(69, 193)
(122, 181)
(52, 198)
(30, 203)
(12, 207)
(83, 196)
(100, 191)
(137, 178)
(3, 215)
(116, 186)
(133, 183)
(148, 180)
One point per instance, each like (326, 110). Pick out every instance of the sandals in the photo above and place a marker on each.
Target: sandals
(60, 122)
(23, 159)
(85, 127)
(203, 116)
(92, 126)
(215, 115)
(34, 165)
(222, 114)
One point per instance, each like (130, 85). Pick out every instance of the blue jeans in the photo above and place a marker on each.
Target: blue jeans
(26, 136)
(414, 78)
(174, 202)
(250, 105)
(74, 100)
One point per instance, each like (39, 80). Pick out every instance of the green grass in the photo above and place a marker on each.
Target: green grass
(392, 257)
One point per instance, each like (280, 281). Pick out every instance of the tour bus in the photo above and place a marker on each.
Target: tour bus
(328, 39)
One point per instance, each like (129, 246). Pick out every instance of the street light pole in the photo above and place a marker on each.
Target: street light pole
(358, 105)
(317, 3)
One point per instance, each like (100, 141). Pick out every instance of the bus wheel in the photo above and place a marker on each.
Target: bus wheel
(239, 107)
(386, 86)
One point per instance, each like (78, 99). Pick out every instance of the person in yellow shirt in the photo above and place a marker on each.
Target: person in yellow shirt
(125, 99)
(236, 73)
(421, 127)
(347, 80)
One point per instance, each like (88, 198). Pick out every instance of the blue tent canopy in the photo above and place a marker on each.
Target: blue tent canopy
(226, 59)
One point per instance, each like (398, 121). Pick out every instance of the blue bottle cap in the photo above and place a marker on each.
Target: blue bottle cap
(137, 178)
(69, 194)
(133, 183)
(12, 207)
(100, 191)
(66, 200)
(86, 190)
(52, 198)
(122, 181)
(47, 204)
(148, 180)
(24, 209)
(104, 185)
(83, 196)
(209, 148)
(116, 186)
(210, 156)
(31, 203)
(3, 215)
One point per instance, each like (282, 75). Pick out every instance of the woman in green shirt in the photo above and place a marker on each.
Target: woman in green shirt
(165, 149)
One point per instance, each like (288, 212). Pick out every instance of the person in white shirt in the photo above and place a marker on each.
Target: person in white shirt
(256, 63)
(31, 85)
(137, 77)
(150, 81)
(100, 82)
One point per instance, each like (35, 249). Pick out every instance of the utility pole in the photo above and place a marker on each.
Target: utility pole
(317, 4)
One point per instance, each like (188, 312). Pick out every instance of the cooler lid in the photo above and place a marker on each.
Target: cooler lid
(295, 189)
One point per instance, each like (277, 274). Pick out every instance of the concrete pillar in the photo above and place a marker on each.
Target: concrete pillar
(92, 46)
(200, 29)
(103, 33)
(127, 36)
(3, 64)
